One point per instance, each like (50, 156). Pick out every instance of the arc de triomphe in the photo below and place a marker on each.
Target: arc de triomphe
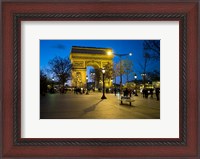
(81, 57)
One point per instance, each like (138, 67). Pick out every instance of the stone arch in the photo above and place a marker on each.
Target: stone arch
(81, 57)
(94, 63)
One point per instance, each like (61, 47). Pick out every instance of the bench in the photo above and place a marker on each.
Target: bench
(126, 99)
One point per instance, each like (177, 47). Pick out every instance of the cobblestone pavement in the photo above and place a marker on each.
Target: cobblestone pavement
(73, 106)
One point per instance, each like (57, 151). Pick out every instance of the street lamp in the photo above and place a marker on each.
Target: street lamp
(120, 60)
(144, 78)
(87, 85)
(135, 76)
(103, 96)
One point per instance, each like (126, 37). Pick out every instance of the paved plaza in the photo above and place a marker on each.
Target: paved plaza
(82, 106)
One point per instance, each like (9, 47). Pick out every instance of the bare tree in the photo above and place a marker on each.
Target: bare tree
(109, 71)
(124, 67)
(154, 75)
(152, 47)
(43, 82)
(116, 71)
(147, 73)
(127, 68)
(119, 69)
(60, 68)
(144, 64)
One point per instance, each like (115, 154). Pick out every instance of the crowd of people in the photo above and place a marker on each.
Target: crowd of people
(146, 92)
(79, 90)
(126, 92)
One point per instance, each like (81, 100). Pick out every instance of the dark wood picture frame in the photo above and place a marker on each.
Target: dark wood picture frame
(184, 146)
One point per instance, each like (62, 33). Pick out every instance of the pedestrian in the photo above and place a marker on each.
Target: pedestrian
(143, 92)
(146, 93)
(158, 94)
(151, 92)
(126, 92)
(130, 92)
(79, 90)
(115, 91)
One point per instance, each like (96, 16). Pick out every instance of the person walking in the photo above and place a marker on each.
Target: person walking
(143, 92)
(126, 92)
(146, 93)
(115, 91)
(130, 92)
(151, 92)
(158, 94)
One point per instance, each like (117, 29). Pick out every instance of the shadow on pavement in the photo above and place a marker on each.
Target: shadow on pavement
(91, 108)
(127, 105)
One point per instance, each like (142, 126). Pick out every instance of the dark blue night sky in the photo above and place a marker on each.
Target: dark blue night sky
(51, 48)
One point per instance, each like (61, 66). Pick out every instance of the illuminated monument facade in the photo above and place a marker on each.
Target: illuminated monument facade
(81, 57)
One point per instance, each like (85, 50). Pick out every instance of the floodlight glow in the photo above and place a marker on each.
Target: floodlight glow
(109, 52)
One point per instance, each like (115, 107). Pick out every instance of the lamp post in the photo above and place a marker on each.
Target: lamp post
(144, 78)
(120, 67)
(103, 96)
(87, 85)
(135, 76)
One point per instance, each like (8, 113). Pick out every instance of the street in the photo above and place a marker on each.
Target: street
(82, 106)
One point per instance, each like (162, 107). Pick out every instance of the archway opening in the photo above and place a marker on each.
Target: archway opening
(93, 73)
